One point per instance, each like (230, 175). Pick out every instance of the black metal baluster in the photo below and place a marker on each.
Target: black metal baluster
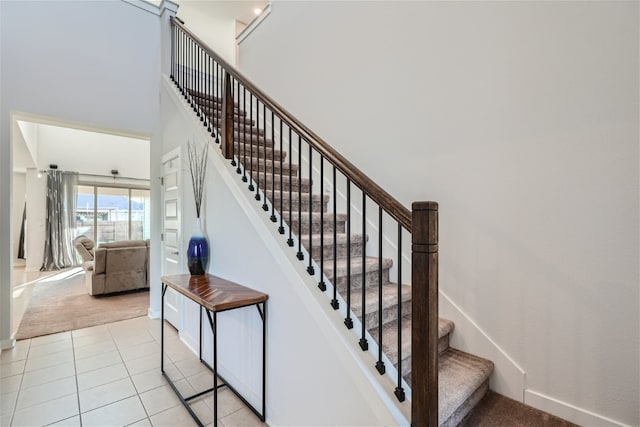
(250, 142)
(184, 65)
(215, 112)
(236, 138)
(265, 207)
(233, 131)
(300, 255)
(321, 285)
(334, 302)
(199, 81)
(399, 391)
(193, 75)
(173, 50)
(281, 227)
(380, 364)
(364, 345)
(348, 321)
(257, 126)
(273, 170)
(310, 268)
(290, 240)
(244, 138)
(211, 111)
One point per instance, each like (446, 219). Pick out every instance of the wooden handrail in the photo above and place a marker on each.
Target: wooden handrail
(376, 193)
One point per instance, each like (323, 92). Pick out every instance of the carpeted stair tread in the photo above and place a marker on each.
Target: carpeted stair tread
(272, 153)
(306, 183)
(341, 246)
(390, 340)
(258, 162)
(205, 96)
(240, 135)
(460, 375)
(389, 303)
(371, 264)
(314, 219)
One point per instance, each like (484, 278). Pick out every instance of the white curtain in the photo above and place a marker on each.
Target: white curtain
(61, 220)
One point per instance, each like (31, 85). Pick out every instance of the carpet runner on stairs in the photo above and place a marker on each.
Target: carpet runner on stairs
(463, 378)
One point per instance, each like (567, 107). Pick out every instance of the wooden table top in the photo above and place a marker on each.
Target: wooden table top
(214, 293)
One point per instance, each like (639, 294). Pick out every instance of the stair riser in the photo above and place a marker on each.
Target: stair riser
(371, 279)
(443, 345)
(271, 153)
(341, 250)
(216, 108)
(285, 185)
(239, 120)
(316, 205)
(328, 224)
(389, 313)
(240, 136)
(254, 165)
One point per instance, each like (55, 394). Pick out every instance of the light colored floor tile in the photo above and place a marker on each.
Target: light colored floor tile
(243, 418)
(49, 339)
(95, 349)
(69, 422)
(12, 368)
(228, 402)
(48, 412)
(176, 416)
(106, 394)
(159, 399)
(46, 392)
(191, 367)
(133, 339)
(203, 412)
(143, 364)
(8, 403)
(45, 375)
(142, 423)
(46, 361)
(178, 351)
(47, 349)
(148, 380)
(96, 362)
(92, 330)
(95, 338)
(184, 387)
(201, 381)
(18, 352)
(10, 384)
(140, 350)
(120, 413)
(102, 376)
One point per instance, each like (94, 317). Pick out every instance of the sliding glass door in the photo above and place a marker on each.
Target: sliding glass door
(108, 214)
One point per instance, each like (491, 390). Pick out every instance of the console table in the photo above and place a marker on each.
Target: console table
(214, 295)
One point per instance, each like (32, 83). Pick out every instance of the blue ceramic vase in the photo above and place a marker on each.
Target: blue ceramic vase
(198, 253)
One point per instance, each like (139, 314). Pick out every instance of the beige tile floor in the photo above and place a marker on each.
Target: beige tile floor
(109, 375)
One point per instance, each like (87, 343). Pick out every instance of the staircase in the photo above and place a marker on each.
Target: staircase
(463, 378)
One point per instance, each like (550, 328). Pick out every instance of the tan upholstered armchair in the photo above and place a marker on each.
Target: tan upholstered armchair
(117, 267)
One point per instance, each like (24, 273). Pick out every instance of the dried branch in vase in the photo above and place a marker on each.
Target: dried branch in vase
(198, 169)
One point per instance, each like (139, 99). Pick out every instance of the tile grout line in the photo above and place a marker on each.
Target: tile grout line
(15, 405)
(75, 372)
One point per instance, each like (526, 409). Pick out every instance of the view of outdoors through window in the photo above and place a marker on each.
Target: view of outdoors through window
(119, 214)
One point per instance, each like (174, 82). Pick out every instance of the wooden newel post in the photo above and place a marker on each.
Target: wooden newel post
(227, 118)
(424, 314)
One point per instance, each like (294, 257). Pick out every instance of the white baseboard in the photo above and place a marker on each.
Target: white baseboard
(153, 314)
(508, 377)
(568, 411)
(8, 343)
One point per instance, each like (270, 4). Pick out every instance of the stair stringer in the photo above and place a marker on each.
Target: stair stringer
(323, 380)
(508, 378)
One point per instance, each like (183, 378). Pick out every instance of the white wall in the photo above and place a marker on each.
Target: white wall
(521, 120)
(210, 23)
(96, 64)
(17, 207)
(37, 214)
(313, 376)
(92, 152)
